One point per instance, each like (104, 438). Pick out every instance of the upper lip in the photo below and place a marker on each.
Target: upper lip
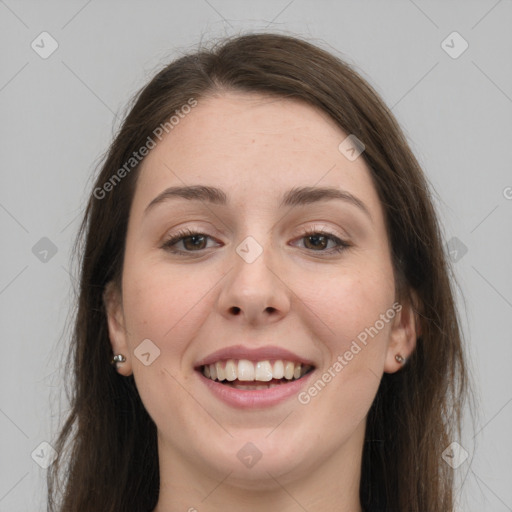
(253, 354)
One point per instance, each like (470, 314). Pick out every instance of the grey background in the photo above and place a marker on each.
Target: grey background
(58, 116)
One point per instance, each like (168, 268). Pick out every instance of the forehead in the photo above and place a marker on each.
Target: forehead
(253, 146)
(234, 123)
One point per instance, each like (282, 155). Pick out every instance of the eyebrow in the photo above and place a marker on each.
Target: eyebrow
(297, 196)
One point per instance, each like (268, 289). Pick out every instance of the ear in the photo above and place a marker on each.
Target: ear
(405, 330)
(116, 326)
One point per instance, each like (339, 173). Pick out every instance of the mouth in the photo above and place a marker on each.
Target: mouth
(247, 375)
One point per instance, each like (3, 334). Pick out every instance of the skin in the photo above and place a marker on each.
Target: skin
(293, 295)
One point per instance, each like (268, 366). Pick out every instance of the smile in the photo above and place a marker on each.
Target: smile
(265, 374)
(246, 377)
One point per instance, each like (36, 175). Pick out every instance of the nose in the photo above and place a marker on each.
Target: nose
(255, 291)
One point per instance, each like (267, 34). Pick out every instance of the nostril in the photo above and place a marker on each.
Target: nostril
(235, 310)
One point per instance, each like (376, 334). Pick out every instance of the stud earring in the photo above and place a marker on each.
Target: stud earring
(118, 358)
(400, 359)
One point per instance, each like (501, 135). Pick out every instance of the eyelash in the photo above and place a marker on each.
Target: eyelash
(186, 233)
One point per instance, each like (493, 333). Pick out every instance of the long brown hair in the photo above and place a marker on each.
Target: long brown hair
(108, 459)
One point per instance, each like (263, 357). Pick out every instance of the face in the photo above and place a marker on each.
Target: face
(271, 282)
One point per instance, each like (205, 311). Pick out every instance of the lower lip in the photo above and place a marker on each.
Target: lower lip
(255, 398)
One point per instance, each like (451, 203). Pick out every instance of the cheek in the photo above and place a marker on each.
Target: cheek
(350, 304)
(168, 309)
(357, 340)
(164, 306)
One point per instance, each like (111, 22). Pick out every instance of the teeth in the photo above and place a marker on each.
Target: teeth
(289, 370)
(245, 370)
(230, 370)
(278, 371)
(221, 375)
(257, 386)
(261, 371)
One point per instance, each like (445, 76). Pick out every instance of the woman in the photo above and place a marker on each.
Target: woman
(262, 265)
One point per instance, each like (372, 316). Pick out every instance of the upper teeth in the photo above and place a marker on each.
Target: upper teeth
(246, 370)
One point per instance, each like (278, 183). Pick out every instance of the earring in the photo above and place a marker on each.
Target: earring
(118, 358)
(400, 359)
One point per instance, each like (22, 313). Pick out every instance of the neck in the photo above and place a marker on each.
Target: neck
(333, 485)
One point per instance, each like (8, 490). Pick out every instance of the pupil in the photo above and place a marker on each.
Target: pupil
(195, 237)
(315, 238)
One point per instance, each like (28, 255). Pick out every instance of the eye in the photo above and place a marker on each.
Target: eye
(193, 241)
(318, 240)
